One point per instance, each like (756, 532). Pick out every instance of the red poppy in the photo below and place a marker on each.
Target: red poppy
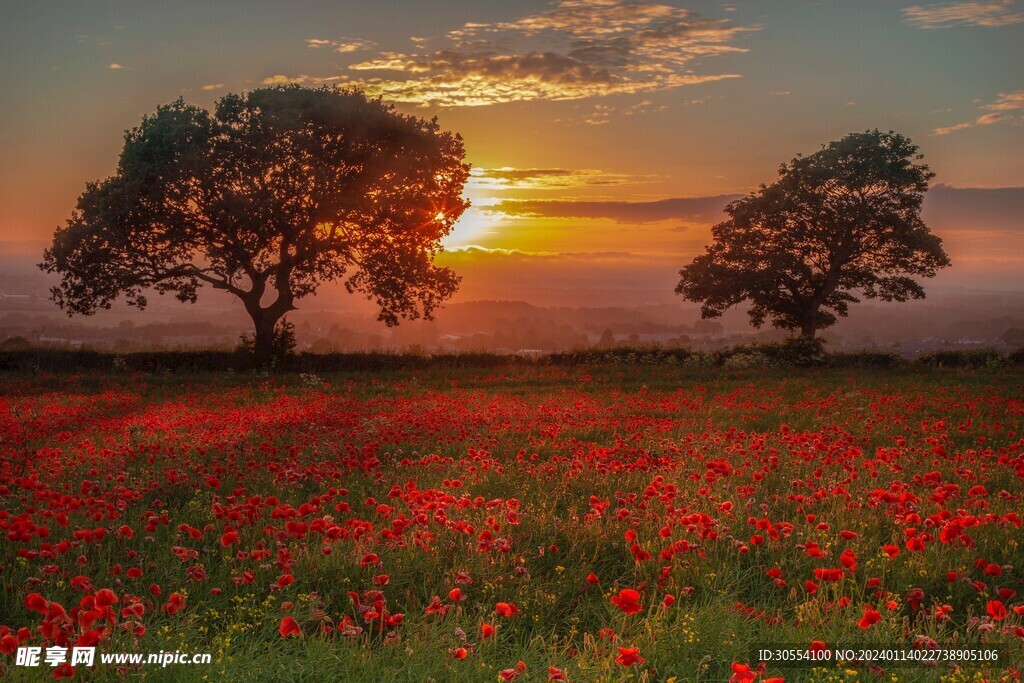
(506, 609)
(741, 673)
(289, 627)
(628, 656)
(628, 600)
(871, 616)
(996, 609)
(175, 603)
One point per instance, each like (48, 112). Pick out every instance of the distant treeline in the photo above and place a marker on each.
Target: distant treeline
(793, 353)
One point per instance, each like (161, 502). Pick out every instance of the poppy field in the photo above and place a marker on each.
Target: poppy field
(534, 523)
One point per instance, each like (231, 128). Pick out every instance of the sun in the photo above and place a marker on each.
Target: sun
(471, 226)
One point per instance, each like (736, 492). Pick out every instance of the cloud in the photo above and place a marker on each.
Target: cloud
(574, 49)
(508, 178)
(473, 251)
(114, 66)
(695, 209)
(213, 86)
(945, 208)
(343, 45)
(983, 120)
(1007, 102)
(1008, 107)
(981, 13)
(281, 79)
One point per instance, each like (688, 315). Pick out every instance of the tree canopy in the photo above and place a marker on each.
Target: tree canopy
(838, 224)
(269, 195)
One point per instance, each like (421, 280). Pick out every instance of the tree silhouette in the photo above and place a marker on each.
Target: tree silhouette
(273, 193)
(841, 221)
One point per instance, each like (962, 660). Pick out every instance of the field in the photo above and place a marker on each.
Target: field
(590, 523)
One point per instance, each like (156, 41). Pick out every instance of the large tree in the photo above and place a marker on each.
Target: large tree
(273, 193)
(837, 224)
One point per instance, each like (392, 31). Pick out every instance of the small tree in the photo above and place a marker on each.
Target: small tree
(841, 221)
(273, 193)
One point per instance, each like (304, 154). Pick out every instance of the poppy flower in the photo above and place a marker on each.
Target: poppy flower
(175, 603)
(628, 656)
(35, 602)
(628, 600)
(848, 559)
(289, 627)
(506, 609)
(996, 609)
(437, 607)
(871, 616)
(741, 673)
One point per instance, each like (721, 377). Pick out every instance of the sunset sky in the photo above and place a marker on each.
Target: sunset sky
(605, 135)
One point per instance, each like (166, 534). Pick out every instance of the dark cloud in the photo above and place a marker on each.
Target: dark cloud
(945, 208)
(695, 209)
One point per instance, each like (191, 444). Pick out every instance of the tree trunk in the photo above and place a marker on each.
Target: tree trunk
(265, 319)
(263, 342)
(808, 329)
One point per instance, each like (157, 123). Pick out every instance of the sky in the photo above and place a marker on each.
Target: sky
(605, 135)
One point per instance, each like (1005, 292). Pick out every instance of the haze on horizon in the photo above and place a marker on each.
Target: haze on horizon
(605, 135)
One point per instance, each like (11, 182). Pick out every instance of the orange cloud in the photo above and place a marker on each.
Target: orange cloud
(989, 14)
(343, 45)
(573, 50)
(508, 178)
(1007, 107)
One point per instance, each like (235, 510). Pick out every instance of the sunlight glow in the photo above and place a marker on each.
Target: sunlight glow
(471, 226)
